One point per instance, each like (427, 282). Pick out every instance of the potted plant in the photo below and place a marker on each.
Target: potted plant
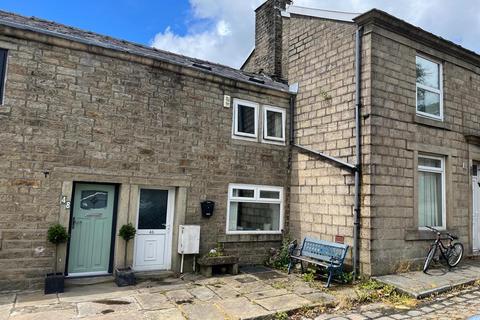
(125, 276)
(54, 282)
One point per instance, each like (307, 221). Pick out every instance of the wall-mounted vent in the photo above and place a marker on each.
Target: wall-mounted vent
(253, 79)
(202, 66)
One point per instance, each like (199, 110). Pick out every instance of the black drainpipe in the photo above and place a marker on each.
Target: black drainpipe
(358, 151)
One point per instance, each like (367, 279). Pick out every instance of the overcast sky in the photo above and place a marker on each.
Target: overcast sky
(223, 30)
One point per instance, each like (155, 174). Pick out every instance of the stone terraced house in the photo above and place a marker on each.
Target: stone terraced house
(96, 132)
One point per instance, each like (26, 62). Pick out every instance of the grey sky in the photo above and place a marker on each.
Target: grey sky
(229, 37)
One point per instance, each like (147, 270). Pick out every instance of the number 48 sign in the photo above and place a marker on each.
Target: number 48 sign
(65, 202)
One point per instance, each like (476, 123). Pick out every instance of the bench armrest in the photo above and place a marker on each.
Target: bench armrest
(335, 260)
(292, 247)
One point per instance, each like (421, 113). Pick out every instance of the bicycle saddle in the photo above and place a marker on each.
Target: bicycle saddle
(454, 237)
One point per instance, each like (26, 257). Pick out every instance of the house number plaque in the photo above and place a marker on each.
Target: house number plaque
(65, 202)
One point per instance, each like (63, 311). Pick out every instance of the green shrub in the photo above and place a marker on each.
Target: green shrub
(309, 276)
(127, 232)
(279, 258)
(57, 234)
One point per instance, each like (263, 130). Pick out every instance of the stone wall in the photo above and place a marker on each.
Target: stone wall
(88, 117)
(399, 135)
(320, 57)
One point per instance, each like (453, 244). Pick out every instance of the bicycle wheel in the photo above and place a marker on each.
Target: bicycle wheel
(429, 258)
(455, 254)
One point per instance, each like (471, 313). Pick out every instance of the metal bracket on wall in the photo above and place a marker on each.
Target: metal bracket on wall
(344, 165)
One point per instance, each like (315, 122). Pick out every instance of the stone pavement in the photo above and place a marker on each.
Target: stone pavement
(420, 285)
(257, 294)
(454, 305)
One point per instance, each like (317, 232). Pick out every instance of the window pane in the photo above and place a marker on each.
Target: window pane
(93, 199)
(269, 194)
(245, 216)
(428, 162)
(152, 212)
(428, 102)
(274, 124)
(430, 199)
(246, 119)
(243, 193)
(428, 73)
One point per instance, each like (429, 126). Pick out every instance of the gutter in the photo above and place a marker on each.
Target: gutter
(353, 169)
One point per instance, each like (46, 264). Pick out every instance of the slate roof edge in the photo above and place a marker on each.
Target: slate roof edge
(275, 85)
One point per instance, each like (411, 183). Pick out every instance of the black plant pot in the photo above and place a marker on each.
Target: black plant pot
(54, 283)
(124, 277)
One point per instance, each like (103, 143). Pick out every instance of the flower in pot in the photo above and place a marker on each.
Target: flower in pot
(54, 282)
(125, 276)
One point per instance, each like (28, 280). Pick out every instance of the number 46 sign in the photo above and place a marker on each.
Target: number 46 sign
(65, 202)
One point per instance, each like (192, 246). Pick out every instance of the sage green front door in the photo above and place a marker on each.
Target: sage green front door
(91, 229)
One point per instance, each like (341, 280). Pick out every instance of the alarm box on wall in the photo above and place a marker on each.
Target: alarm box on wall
(189, 239)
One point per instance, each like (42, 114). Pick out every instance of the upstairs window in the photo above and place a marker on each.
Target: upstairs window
(3, 70)
(431, 191)
(273, 124)
(429, 88)
(245, 119)
(254, 209)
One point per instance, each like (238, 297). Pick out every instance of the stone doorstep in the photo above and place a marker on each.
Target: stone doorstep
(419, 285)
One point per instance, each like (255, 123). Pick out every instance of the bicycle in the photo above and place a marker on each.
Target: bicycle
(452, 253)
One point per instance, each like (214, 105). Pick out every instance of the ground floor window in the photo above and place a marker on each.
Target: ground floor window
(431, 191)
(254, 209)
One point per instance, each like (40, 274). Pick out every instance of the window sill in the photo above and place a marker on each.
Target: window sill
(424, 235)
(251, 238)
(440, 124)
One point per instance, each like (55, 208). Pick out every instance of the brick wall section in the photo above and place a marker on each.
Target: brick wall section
(268, 39)
(321, 58)
(398, 135)
(75, 113)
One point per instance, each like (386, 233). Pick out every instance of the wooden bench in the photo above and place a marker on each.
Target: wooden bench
(326, 254)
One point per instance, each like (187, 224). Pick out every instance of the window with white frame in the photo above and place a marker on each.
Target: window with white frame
(245, 119)
(429, 88)
(431, 191)
(273, 124)
(254, 209)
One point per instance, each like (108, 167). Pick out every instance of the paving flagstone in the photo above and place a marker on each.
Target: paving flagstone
(167, 314)
(283, 303)
(242, 308)
(202, 311)
(155, 301)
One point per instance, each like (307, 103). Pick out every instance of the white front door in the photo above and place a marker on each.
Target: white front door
(476, 209)
(153, 240)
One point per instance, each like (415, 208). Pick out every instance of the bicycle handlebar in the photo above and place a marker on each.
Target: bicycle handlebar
(433, 229)
(451, 236)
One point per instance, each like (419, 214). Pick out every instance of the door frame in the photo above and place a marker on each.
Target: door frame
(170, 220)
(476, 166)
(114, 227)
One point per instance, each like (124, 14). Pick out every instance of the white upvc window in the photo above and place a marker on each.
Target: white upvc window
(245, 119)
(431, 192)
(254, 209)
(273, 124)
(429, 98)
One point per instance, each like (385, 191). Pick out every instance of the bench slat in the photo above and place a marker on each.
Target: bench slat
(317, 262)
